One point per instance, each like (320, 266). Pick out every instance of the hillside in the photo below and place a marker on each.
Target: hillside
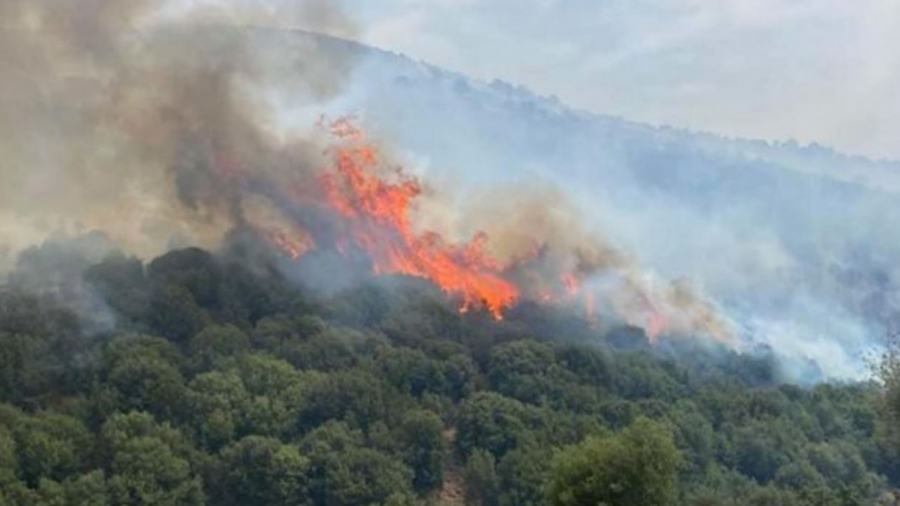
(220, 383)
(794, 243)
(219, 289)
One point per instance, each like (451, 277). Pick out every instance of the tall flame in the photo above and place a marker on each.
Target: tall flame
(376, 212)
(370, 205)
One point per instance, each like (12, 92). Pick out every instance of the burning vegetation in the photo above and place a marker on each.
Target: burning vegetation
(361, 204)
(159, 132)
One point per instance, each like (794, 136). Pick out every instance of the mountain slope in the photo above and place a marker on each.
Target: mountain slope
(794, 243)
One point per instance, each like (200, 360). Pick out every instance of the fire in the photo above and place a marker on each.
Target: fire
(359, 203)
(655, 322)
(377, 210)
(293, 247)
(570, 283)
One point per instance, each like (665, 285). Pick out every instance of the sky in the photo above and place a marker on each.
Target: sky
(825, 71)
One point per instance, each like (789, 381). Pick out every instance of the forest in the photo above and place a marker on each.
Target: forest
(201, 378)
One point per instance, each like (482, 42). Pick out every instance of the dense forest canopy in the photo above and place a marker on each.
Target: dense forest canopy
(202, 378)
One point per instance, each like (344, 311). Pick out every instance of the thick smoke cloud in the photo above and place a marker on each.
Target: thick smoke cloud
(544, 219)
(120, 116)
(162, 127)
(793, 244)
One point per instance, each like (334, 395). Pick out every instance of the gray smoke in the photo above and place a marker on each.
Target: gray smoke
(130, 116)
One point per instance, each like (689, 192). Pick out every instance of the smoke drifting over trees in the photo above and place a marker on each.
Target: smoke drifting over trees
(159, 129)
(204, 306)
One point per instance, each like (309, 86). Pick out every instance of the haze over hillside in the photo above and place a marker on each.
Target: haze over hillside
(795, 243)
(244, 265)
(791, 247)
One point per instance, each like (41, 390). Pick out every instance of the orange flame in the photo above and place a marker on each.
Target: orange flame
(655, 321)
(292, 246)
(570, 283)
(374, 202)
(376, 213)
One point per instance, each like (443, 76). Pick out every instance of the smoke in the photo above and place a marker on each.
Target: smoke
(162, 126)
(544, 221)
(54, 272)
(798, 260)
(126, 116)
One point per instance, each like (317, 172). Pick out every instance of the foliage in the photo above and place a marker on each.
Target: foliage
(220, 383)
(636, 467)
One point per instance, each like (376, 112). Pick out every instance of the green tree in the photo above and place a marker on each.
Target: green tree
(218, 404)
(175, 314)
(50, 445)
(9, 464)
(148, 463)
(422, 445)
(260, 470)
(521, 474)
(482, 484)
(491, 422)
(122, 284)
(85, 490)
(636, 467)
(144, 373)
(346, 473)
(215, 344)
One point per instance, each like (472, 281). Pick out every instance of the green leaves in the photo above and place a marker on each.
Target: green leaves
(227, 386)
(260, 470)
(421, 444)
(636, 467)
(148, 463)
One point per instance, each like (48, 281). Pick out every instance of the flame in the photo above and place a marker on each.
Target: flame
(570, 284)
(293, 246)
(376, 208)
(361, 203)
(656, 322)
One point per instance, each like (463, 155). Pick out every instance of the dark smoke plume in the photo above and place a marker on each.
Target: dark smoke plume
(118, 115)
(160, 127)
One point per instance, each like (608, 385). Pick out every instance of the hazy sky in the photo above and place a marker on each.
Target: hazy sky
(813, 70)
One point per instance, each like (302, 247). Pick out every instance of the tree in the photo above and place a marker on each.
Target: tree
(20, 372)
(148, 463)
(520, 364)
(491, 422)
(356, 396)
(276, 393)
(521, 474)
(145, 471)
(422, 446)
(144, 373)
(214, 344)
(636, 467)
(260, 470)
(85, 490)
(887, 371)
(482, 485)
(344, 472)
(218, 405)
(122, 284)
(50, 445)
(175, 314)
(9, 465)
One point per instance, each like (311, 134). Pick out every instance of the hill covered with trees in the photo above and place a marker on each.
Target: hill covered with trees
(210, 379)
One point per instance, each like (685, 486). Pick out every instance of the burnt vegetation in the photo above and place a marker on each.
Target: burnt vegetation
(217, 381)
